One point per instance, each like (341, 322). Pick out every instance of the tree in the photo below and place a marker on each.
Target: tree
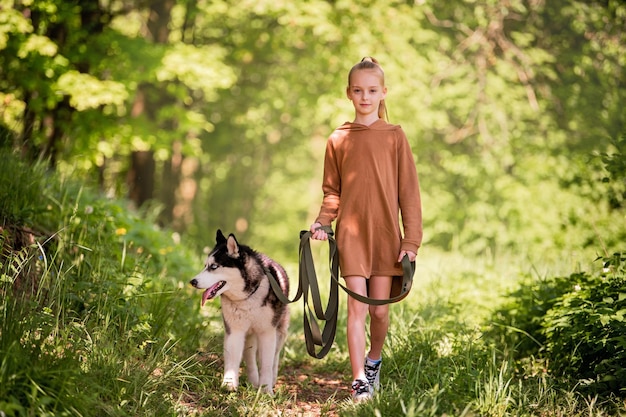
(230, 103)
(98, 91)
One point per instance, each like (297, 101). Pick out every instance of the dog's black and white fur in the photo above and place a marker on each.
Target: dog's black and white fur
(255, 320)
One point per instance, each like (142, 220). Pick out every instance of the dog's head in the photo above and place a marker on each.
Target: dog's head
(223, 271)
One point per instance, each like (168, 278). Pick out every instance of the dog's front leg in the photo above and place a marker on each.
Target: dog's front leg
(233, 351)
(267, 352)
(250, 357)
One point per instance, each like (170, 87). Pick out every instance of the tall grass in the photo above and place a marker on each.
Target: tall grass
(97, 320)
(440, 361)
(92, 309)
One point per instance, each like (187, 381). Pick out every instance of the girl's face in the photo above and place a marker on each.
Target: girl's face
(366, 91)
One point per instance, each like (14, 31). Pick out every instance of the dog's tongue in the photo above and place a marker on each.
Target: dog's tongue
(205, 296)
(210, 292)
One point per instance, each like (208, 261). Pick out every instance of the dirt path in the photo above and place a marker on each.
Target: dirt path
(315, 394)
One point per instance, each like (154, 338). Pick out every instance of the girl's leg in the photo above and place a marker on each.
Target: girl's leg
(379, 288)
(357, 316)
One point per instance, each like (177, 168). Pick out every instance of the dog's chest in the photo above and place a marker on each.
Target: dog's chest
(238, 315)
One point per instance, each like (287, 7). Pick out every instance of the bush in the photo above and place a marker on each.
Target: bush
(577, 324)
(91, 295)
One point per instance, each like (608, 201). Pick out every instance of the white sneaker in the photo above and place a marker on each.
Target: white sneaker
(372, 372)
(361, 390)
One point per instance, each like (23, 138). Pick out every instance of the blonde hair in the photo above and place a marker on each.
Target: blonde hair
(370, 63)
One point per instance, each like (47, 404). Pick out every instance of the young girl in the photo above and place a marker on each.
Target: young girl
(369, 179)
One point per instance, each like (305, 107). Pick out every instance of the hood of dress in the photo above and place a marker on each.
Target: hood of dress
(379, 124)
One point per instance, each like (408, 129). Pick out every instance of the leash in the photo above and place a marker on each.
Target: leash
(308, 289)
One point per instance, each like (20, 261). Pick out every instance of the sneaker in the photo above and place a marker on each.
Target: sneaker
(361, 390)
(372, 372)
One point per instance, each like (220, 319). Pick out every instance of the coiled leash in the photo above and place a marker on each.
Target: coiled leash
(308, 286)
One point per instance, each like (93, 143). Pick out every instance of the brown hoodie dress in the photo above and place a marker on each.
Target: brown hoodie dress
(370, 180)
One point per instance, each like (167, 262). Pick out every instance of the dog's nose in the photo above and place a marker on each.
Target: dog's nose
(194, 282)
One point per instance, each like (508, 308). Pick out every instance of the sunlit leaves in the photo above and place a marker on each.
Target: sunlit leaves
(501, 102)
(87, 92)
(37, 44)
(200, 68)
(11, 22)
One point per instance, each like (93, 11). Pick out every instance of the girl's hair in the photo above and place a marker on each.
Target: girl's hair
(370, 63)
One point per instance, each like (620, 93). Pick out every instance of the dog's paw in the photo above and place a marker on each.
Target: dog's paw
(265, 388)
(229, 384)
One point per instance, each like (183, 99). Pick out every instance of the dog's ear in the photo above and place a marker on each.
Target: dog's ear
(219, 237)
(232, 246)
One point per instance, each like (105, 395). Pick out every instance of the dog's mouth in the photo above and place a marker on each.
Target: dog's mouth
(212, 291)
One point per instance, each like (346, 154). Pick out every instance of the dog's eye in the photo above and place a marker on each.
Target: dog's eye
(213, 267)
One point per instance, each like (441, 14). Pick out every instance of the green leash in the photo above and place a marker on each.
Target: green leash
(308, 288)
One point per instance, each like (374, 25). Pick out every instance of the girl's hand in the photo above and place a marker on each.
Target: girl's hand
(317, 232)
(412, 255)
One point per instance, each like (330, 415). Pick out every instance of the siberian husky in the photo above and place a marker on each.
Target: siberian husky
(255, 320)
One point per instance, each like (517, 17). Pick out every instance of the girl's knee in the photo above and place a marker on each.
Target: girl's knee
(379, 313)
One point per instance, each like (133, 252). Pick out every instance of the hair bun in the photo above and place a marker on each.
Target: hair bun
(369, 59)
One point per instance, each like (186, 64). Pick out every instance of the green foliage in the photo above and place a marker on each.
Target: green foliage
(501, 103)
(585, 332)
(87, 92)
(440, 362)
(95, 322)
(615, 166)
(21, 185)
(576, 324)
(93, 299)
(519, 320)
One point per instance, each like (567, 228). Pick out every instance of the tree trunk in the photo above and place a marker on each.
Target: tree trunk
(141, 177)
(29, 150)
(171, 179)
(58, 120)
(158, 27)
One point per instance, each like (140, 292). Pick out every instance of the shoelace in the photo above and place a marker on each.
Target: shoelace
(360, 387)
(371, 371)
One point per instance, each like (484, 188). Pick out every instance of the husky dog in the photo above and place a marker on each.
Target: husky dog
(255, 320)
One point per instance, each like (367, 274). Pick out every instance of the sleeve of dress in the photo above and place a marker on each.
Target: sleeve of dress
(331, 186)
(409, 197)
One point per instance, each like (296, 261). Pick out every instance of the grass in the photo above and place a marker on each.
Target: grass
(97, 320)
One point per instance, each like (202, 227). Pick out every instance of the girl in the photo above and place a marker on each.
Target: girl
(369, 179)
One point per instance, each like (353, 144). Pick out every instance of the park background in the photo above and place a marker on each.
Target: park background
(143, 127)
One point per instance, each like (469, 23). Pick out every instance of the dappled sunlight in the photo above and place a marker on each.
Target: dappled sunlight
(129, 133)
